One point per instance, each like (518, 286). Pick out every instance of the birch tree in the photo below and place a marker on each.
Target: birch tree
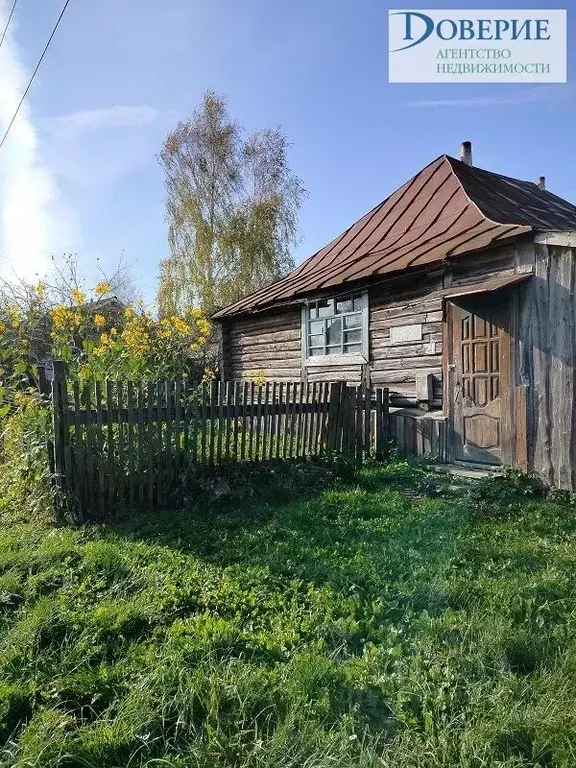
(232, 209)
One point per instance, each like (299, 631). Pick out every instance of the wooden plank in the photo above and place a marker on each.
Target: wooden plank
(203, 422)
(177, 389)
(236, 423)
(275, 452)
(91, 494)
(131, 446)
(251, 417)
(334, 405)
(100, 448)
(367, 407)
(112, 462)
(150, 446)
(121, 474)
(258, 429)
(244, 422)
(212, 411)
(160, 470)
(520, 429)
(265, 422)
(219, 421)
(186, 420)
(79, 474)
(141, 444)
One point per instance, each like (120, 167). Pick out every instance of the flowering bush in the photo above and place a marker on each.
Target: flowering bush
(100, 338)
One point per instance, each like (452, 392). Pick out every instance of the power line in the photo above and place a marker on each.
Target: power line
(36, 68)
(8, 22)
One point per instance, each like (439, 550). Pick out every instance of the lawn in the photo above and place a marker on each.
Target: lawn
(338, 624)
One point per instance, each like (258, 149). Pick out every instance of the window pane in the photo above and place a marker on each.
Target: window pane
(313, 311)
(316, 341)
(315, 351)
(353, 321)
(316, 326)
(353, 337)
(324, 308)
(352, 349)
(343, 305)
(334, 332)
(358, 303)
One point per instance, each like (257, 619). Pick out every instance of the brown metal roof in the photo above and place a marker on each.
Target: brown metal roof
(482, 286)
(447, 209)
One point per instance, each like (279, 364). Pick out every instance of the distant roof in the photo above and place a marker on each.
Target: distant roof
(448, 209)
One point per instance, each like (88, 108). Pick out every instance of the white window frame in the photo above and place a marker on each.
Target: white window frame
(338, 357)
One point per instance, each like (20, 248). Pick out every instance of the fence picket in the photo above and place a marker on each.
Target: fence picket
(79, 475)
(111, 469)
(130, 443)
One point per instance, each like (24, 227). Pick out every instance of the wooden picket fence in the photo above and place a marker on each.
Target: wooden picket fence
(123, 444)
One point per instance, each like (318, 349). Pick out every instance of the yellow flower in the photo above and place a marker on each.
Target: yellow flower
(15, 317)
(180, 325)
(203, 326)
(78, 296)
(40, 290)
(102, 288)
(128, 313)
(258, 378)
(99, 321)
(65, 318)
(209, 375)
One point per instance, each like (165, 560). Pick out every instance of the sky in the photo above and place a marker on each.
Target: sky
(79, 172)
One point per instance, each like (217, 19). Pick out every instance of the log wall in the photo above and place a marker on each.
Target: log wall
(263, 345)
(401, 365)
(546, 343)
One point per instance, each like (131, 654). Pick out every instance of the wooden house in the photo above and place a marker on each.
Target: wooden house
(456, 293)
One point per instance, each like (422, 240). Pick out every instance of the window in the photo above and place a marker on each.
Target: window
(336, 326)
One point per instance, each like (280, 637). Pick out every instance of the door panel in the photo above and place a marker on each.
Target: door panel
(481, 381)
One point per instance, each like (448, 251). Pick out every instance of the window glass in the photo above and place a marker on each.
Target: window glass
(343, 305)
(333, 332)
(335, 326)
(353, 321)
(353, 337)
(325, 308)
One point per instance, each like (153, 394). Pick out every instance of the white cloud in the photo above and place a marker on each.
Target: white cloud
(528, 96)
(31, 218)
(102, 119)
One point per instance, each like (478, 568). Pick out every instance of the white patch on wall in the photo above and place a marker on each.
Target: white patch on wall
(403, 333)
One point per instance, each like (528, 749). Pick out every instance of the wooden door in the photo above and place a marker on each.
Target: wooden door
(481, 380)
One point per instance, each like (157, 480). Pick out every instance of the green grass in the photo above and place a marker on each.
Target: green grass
(333, 627)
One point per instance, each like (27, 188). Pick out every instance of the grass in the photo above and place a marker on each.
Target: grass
(335, 626)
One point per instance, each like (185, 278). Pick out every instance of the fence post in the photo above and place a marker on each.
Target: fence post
(382, 423)
(59, 430)
(334, 405)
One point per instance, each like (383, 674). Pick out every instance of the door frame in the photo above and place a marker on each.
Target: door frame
(507, 380)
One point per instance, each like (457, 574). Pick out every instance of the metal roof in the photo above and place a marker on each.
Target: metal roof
(446, 210)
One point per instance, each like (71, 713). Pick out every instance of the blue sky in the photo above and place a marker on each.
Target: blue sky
(120, 73)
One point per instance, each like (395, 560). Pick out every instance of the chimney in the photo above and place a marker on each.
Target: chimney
(542, 182)
(466, 152)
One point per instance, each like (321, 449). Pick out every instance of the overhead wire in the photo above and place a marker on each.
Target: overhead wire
(33, 75)
(14, 4)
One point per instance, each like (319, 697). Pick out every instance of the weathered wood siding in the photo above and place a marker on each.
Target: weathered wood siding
(266, 345)
(546, 341)
(398, 365)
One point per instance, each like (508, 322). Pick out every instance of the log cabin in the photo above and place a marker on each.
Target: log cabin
(457, 294)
